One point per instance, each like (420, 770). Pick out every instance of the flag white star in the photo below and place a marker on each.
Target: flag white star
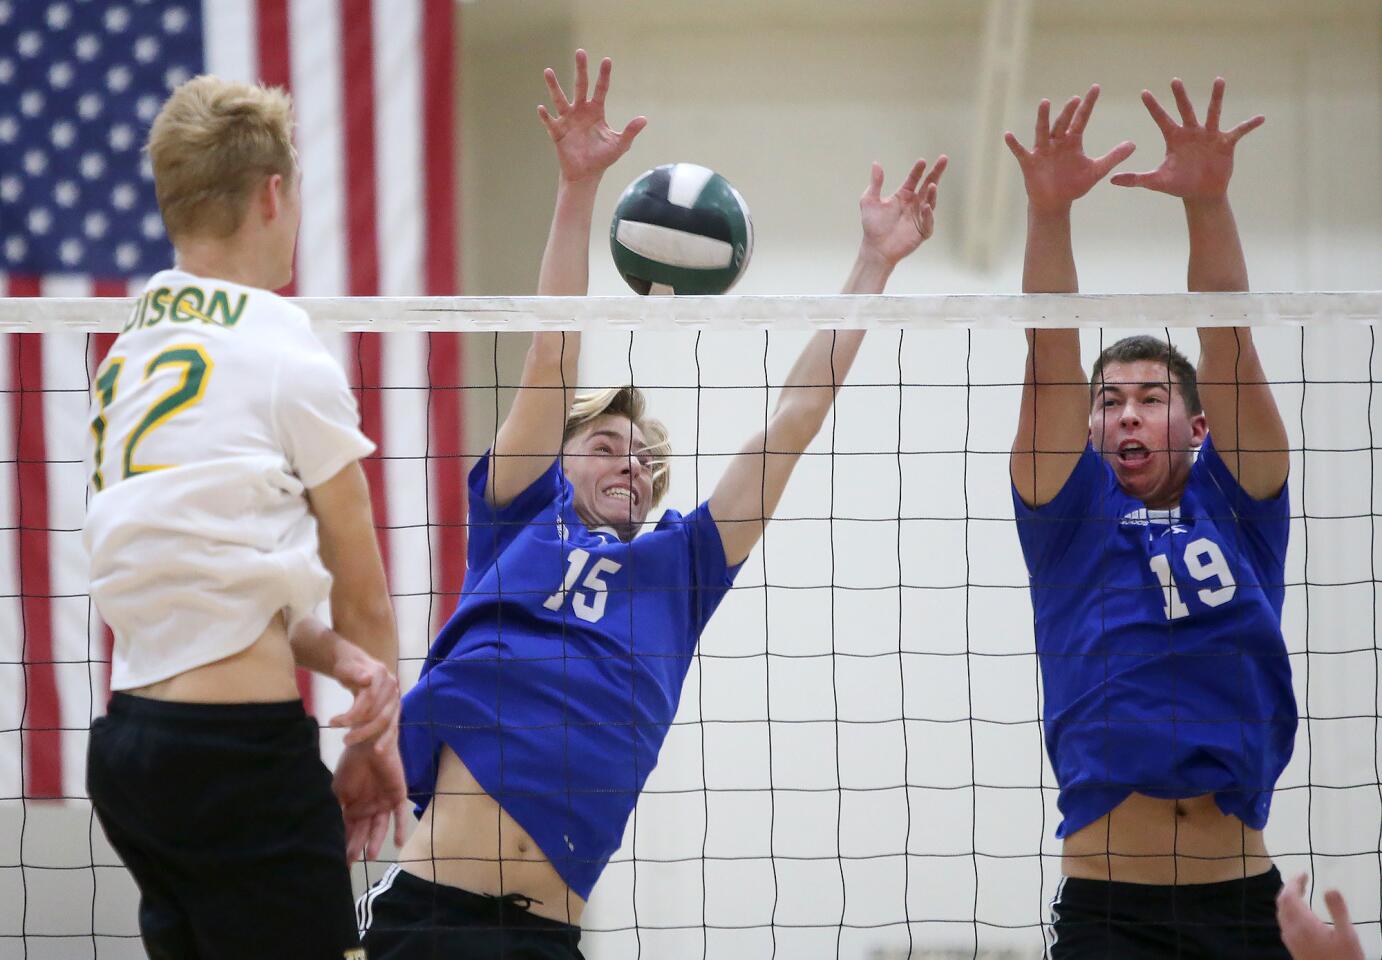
(117, 19)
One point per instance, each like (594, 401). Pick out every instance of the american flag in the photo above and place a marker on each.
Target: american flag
(373, 86)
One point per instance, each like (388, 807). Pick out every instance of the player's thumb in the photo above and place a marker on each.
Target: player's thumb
(633, 128)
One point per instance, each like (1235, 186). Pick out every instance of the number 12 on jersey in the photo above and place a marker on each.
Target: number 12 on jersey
(1203, 559)
(591, 608)
(195, 367)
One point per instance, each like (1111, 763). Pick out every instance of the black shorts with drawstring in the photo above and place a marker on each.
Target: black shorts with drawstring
(403, 917)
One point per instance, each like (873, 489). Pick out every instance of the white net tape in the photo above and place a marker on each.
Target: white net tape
(1120, 311)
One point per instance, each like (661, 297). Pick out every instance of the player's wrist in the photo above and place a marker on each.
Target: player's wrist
(870, 257)
(579, 184)
(349, 663)
(1212, 204)
(871, 271)
(1054, 212)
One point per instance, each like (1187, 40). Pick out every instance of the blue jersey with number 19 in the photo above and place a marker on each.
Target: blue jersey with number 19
(557, 677)
(1159, 635)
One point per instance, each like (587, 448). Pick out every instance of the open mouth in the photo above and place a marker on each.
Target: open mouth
(1131, 452)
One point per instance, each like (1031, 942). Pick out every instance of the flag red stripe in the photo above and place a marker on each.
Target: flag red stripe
(369, 376)
(275, 69)
(445, 409)
(445, 434)
(439, 147)
(362, 252)
(42, 738)
(271, 20)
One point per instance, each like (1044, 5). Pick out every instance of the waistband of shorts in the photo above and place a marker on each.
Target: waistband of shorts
(1260, 885)
(509, 912)
(170, 711)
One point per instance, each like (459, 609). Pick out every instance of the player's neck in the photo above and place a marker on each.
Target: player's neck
(1164, 501)
(236, 258)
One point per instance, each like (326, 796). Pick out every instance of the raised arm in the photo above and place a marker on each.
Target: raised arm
(1053, 420)
(747, 495)
(530, 437)
(1238, 402)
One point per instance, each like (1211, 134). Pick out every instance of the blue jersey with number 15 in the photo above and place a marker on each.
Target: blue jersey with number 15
(1159, 634)
(557, 677)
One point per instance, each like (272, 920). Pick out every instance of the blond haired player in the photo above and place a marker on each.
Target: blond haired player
(227, 504)
(545, 699)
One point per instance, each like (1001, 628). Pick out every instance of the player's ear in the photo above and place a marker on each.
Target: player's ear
(272, 196)
(1199, 429)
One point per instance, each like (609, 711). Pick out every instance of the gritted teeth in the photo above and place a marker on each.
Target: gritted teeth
(623, 492)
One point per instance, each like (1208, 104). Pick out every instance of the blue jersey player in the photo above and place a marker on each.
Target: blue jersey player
(545, 700)
(1156, 577)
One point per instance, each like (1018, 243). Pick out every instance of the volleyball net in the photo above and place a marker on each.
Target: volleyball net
(857, 766)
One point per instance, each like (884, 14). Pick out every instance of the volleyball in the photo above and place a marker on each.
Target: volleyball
(681, 228)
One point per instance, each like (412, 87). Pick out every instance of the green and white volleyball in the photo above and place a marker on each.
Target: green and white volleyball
(681, 228)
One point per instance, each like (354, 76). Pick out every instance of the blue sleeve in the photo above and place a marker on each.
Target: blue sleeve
(492, 529)
(711, 577)
(1045, 532)
(1268, 521)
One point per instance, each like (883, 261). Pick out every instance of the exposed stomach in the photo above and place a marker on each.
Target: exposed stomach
(466, 840)
(1154, 841)
(264, 672)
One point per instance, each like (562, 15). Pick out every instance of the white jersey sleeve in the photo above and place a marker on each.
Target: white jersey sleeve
(317, 419)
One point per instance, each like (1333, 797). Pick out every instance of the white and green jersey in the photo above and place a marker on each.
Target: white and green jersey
(215, 410)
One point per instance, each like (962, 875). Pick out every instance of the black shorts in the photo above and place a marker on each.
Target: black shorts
(403, 917)
(1213, 921)
(224, 815)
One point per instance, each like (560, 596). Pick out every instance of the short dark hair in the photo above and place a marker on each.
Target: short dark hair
(1133, 349)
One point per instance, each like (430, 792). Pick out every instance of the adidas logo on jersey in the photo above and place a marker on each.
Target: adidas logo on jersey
(1142, 517)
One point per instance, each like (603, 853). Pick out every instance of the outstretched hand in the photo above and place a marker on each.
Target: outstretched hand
(1199, 157)
(895, 226)
(586, 146)
(1056, 170)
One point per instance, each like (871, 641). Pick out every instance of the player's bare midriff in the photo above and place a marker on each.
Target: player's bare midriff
(466, 840)
(1147, 840)
(264, 672)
